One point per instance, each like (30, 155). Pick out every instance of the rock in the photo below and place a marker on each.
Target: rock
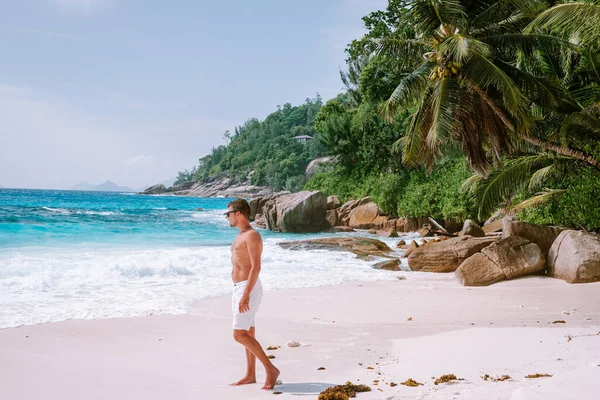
(390, 223)
(401, 243)
(472, 229)
(199, 209)
(424, 232)
(414, 224)
(363, 247)
(318, 164)
(223, 186)
(391, 232)
(401, 225)
(253, 203)
(332, 217)
(345, 209)
(542, 235)
(297, 212)
(575, 257)
(388, 265)
(262, 201)
(453, 226)
(372, 231)
(339, 228)
(333, 202)
(411, 247)
(363, 215)
(447, 255)
(156, 189)
(493, 227)
(259, 221)
(379, 222)
(365, 200)
(508, 258)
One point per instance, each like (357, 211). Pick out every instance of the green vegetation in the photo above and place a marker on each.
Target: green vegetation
(265, 152)
(508, 90)
(452, 109)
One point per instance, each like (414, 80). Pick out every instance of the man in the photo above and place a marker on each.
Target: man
(247, 292)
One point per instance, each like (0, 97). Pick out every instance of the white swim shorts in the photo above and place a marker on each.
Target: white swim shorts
(243, 321)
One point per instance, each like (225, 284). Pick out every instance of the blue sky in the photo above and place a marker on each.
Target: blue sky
(134, 91)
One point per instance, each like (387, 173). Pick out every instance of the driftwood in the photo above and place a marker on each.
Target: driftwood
(437, 225)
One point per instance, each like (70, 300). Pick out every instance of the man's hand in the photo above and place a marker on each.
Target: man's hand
(244, 304)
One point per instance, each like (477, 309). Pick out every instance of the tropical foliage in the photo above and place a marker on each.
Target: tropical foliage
(511, 85)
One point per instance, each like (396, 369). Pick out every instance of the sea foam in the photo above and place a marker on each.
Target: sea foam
(45, 287)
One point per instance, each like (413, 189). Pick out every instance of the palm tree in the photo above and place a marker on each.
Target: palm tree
(465, 79)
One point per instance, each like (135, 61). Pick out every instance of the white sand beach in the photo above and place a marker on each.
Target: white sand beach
(420, 327)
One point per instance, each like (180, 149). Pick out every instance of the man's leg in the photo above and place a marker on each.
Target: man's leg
(250, 376)
(251, 344)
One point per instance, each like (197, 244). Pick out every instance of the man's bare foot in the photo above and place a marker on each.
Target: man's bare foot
(245, 381)
(272, 375)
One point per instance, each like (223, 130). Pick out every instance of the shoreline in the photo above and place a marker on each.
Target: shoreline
(506, 328)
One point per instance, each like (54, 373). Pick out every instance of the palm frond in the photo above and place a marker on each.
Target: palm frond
(428, 15)
(540, 176)
(531, 8)
(409, 90)
(469, 186)
(543, 91)
(579, 125)
(461, 47)
(446, 94)
(539, 198)
(414, 149)
(593, 58)
(578, 20)
(586, 95)
(501, 183)
(407, 52)
(485, 74)
(528, 44)
(512, 22)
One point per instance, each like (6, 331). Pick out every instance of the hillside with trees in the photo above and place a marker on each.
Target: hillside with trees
(265, 153)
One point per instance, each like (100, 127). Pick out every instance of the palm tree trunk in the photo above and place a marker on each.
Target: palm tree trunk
(565, 151)
(501, 114)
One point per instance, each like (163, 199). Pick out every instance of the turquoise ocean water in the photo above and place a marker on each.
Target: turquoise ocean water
(73, 254)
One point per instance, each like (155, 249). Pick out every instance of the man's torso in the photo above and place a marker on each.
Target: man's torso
(240, 257)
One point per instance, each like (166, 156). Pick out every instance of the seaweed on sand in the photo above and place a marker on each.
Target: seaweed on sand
(499, 379)
(447, 378)
(343, 392)
(411, 382)
(533, 376)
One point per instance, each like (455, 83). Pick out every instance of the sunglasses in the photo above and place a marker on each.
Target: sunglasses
(226, 214)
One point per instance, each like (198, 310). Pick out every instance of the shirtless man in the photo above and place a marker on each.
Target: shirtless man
(247, 292)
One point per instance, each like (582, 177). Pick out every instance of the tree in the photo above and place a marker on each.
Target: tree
(464, 82)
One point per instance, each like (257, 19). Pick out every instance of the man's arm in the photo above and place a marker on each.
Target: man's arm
(255, 247)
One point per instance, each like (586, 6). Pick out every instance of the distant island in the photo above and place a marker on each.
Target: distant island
(108, 186)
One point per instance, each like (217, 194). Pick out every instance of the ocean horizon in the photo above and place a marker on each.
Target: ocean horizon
(88, 255)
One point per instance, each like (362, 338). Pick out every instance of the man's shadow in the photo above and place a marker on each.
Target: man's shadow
(303, 388)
